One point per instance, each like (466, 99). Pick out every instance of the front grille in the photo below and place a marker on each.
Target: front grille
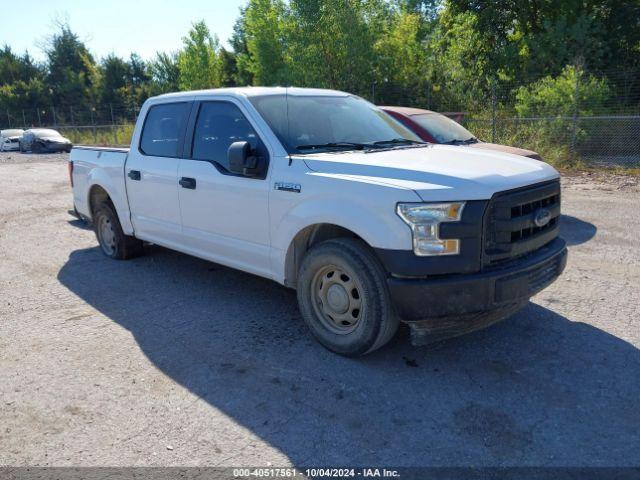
(510, 229)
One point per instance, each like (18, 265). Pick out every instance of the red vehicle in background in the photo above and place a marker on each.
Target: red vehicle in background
(434, 127)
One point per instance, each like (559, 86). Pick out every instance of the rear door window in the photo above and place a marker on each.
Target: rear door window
(163, 129)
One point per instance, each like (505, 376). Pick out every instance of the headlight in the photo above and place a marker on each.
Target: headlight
(424, 220)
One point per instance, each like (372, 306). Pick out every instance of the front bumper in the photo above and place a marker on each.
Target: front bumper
(500, 289)
(56, 147)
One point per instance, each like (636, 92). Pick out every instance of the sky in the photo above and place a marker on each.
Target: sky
(115, 26)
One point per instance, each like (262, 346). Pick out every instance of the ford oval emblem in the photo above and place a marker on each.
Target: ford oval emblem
(541, 217)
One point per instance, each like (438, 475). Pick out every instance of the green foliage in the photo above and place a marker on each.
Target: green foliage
(462, 55)
(331, 43)
(15, 68)
(72, 72)
(264, 26)
(538, 36)
(560, 100)
(110, 135)
(404, 61)
(242, 57)
(478, 56)
(165, 73)
(571, 92)
(113, 81)
(198, 61)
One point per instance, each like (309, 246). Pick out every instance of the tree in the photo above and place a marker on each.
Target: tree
(114, 76)
(165, 73)
(264, 26)
(545, 36)
(242, 56)
(14, 67)
(404, 61)
(198, 60)
(228, 68)
(573, 91)
(331, 43)
(72, 75)
(21, 84)
(461, 58)
(137, 74)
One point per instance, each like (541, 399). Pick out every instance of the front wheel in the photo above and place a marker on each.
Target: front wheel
(344, 299)
(113, 242)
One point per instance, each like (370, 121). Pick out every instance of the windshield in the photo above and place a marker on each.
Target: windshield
(443, 129)
(305, 124)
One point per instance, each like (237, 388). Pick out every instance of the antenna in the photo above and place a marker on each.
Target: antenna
(286, 99)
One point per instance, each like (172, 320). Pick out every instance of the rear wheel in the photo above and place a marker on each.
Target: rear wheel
(343, 297)
(113, 242)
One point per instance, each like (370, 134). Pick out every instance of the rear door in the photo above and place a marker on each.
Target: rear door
(151, 174)
(225, 216)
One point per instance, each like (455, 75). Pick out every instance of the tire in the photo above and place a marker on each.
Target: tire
(344, 299)
(36, 147)
(113, 242)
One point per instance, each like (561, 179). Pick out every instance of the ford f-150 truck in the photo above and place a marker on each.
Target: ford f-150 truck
(323, 192)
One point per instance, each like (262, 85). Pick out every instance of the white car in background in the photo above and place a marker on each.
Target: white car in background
(10, 139)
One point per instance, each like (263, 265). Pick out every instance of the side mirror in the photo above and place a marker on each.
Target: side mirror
(243, 161)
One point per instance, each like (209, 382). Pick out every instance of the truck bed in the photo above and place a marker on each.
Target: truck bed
(102, 167)
(105, 148)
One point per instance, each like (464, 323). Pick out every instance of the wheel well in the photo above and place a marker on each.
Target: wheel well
(304, 241)
(97, 195)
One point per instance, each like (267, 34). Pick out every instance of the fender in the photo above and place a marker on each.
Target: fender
(378, 231)
(117, 193)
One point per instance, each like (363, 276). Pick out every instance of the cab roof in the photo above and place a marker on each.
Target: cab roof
(257, 91)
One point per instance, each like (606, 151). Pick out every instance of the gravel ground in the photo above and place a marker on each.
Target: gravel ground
(170, 360)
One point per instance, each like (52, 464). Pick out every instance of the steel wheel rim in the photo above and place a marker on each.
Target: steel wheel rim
(337, 299)
(107, 236)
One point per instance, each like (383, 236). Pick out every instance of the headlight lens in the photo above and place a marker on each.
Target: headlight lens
(424, 220)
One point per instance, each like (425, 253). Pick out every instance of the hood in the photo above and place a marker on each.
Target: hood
(436, 172)
(506, 149)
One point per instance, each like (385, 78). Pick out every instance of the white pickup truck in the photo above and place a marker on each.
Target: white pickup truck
(323, 192)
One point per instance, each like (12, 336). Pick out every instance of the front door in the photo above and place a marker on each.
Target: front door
(151, 174)
(225, 216)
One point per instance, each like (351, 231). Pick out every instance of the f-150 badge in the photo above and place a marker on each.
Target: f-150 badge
(287, 187)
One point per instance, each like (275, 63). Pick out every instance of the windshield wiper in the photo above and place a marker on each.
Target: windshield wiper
(320, 146)
(462, 142)
(403, 141)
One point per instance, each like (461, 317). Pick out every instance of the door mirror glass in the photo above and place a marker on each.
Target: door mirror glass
(242, 160)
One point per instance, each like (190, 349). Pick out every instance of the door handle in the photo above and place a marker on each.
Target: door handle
(134, 174)
(186, 182)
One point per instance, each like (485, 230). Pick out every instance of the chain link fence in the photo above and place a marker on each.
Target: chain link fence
(599, 141)
(587, 123)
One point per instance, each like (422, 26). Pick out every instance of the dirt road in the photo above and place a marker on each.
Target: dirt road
(170, 360)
